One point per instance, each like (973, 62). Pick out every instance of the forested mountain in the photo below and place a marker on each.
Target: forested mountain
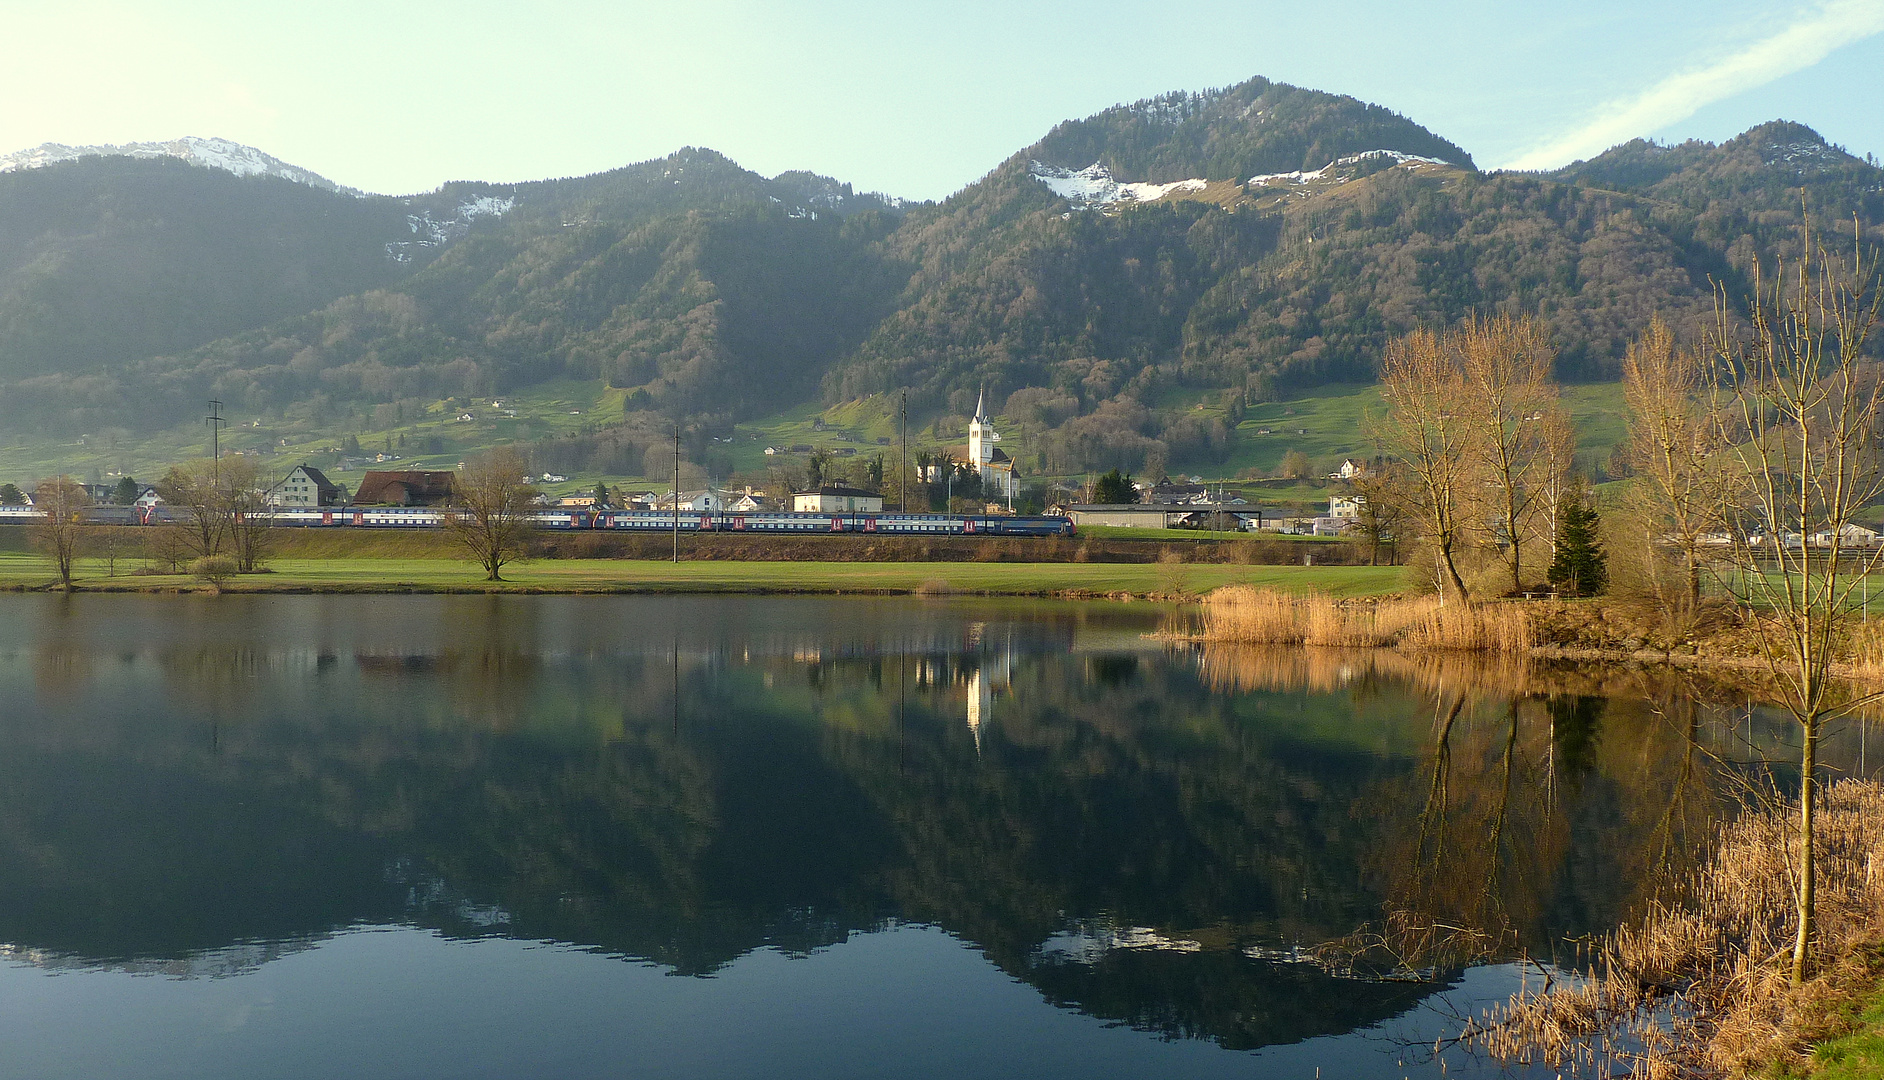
(111, 267)
(108, 260)
(1232, 244)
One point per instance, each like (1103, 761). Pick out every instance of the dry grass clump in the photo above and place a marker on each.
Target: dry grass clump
(1865, 649)
(1241, 613)
(1702, 987)
(1472, 627)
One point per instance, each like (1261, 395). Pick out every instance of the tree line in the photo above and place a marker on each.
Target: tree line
(1756, 449)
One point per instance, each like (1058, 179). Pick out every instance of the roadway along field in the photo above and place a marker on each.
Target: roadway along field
(21, 571)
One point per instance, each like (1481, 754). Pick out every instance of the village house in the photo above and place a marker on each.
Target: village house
(749, 502)
(1346, 507)
(305, 486)
(704, 501)
(1350, 470)
(837, 499)
(406, 488)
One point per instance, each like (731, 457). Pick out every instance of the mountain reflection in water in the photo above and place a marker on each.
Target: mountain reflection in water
(1212, 844)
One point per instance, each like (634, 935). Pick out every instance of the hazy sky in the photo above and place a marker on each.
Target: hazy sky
(912, 97)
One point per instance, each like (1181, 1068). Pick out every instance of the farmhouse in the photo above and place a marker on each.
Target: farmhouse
(305, 486)
(406, 488)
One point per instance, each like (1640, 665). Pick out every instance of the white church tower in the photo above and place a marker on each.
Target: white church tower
(996, 469)
(981, 437)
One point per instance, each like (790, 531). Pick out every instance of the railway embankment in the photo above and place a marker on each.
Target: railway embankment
(349, 543)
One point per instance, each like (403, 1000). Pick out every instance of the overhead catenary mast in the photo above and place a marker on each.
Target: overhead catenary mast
(215, 422)
(676, 503)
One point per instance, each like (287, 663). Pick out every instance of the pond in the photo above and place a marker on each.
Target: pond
(392, 836)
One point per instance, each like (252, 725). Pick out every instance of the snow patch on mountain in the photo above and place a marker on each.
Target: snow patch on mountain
(1411, 161)
(1094, 185)
(231, 157)
(1805, 156)
(434, 232)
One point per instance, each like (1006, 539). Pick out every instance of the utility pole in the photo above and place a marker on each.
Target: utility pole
(677, 510)
(902, 468)
(215, 422)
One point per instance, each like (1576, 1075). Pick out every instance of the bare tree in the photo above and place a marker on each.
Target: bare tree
(1428, 428)
(193, 489)
(1383, 495)
(1559, 447)
(1294, 466)
(1673, 448)
(63, 502)
(244, 508)
(1796, 400)
(492, 500)
(1506, 363)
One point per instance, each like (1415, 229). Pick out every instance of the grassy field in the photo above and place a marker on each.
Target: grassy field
(22, 571)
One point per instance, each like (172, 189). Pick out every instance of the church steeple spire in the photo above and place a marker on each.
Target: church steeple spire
(981, 413)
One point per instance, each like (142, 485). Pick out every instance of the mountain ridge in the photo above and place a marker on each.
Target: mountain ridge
(1275, 237)
(213, 153)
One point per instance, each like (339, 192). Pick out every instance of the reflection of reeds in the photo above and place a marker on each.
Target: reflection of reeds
(1245, 668)
(1702, 987)
(1241, 613)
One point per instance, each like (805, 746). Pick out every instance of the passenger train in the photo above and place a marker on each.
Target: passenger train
(760, 522)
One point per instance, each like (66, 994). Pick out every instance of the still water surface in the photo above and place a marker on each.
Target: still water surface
(622, 837)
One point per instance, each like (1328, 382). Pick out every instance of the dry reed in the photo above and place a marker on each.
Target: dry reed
(1247, 615)
(1702, 987)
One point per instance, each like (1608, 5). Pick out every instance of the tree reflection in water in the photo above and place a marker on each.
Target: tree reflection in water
(1165, 838)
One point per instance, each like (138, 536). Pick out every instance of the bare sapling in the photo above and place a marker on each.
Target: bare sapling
(1795, 399)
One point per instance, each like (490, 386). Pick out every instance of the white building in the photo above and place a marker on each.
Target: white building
(705, 501)
(1346, 507)
(837, 500)
(305, 486)
(1349, 470)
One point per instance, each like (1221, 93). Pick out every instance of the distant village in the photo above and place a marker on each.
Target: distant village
(1183, 503)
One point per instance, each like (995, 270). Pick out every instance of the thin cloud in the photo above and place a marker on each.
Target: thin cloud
(1799, 46)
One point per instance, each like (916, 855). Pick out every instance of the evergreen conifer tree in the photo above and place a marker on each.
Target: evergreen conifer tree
(1113, 488)
(1581, 567)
